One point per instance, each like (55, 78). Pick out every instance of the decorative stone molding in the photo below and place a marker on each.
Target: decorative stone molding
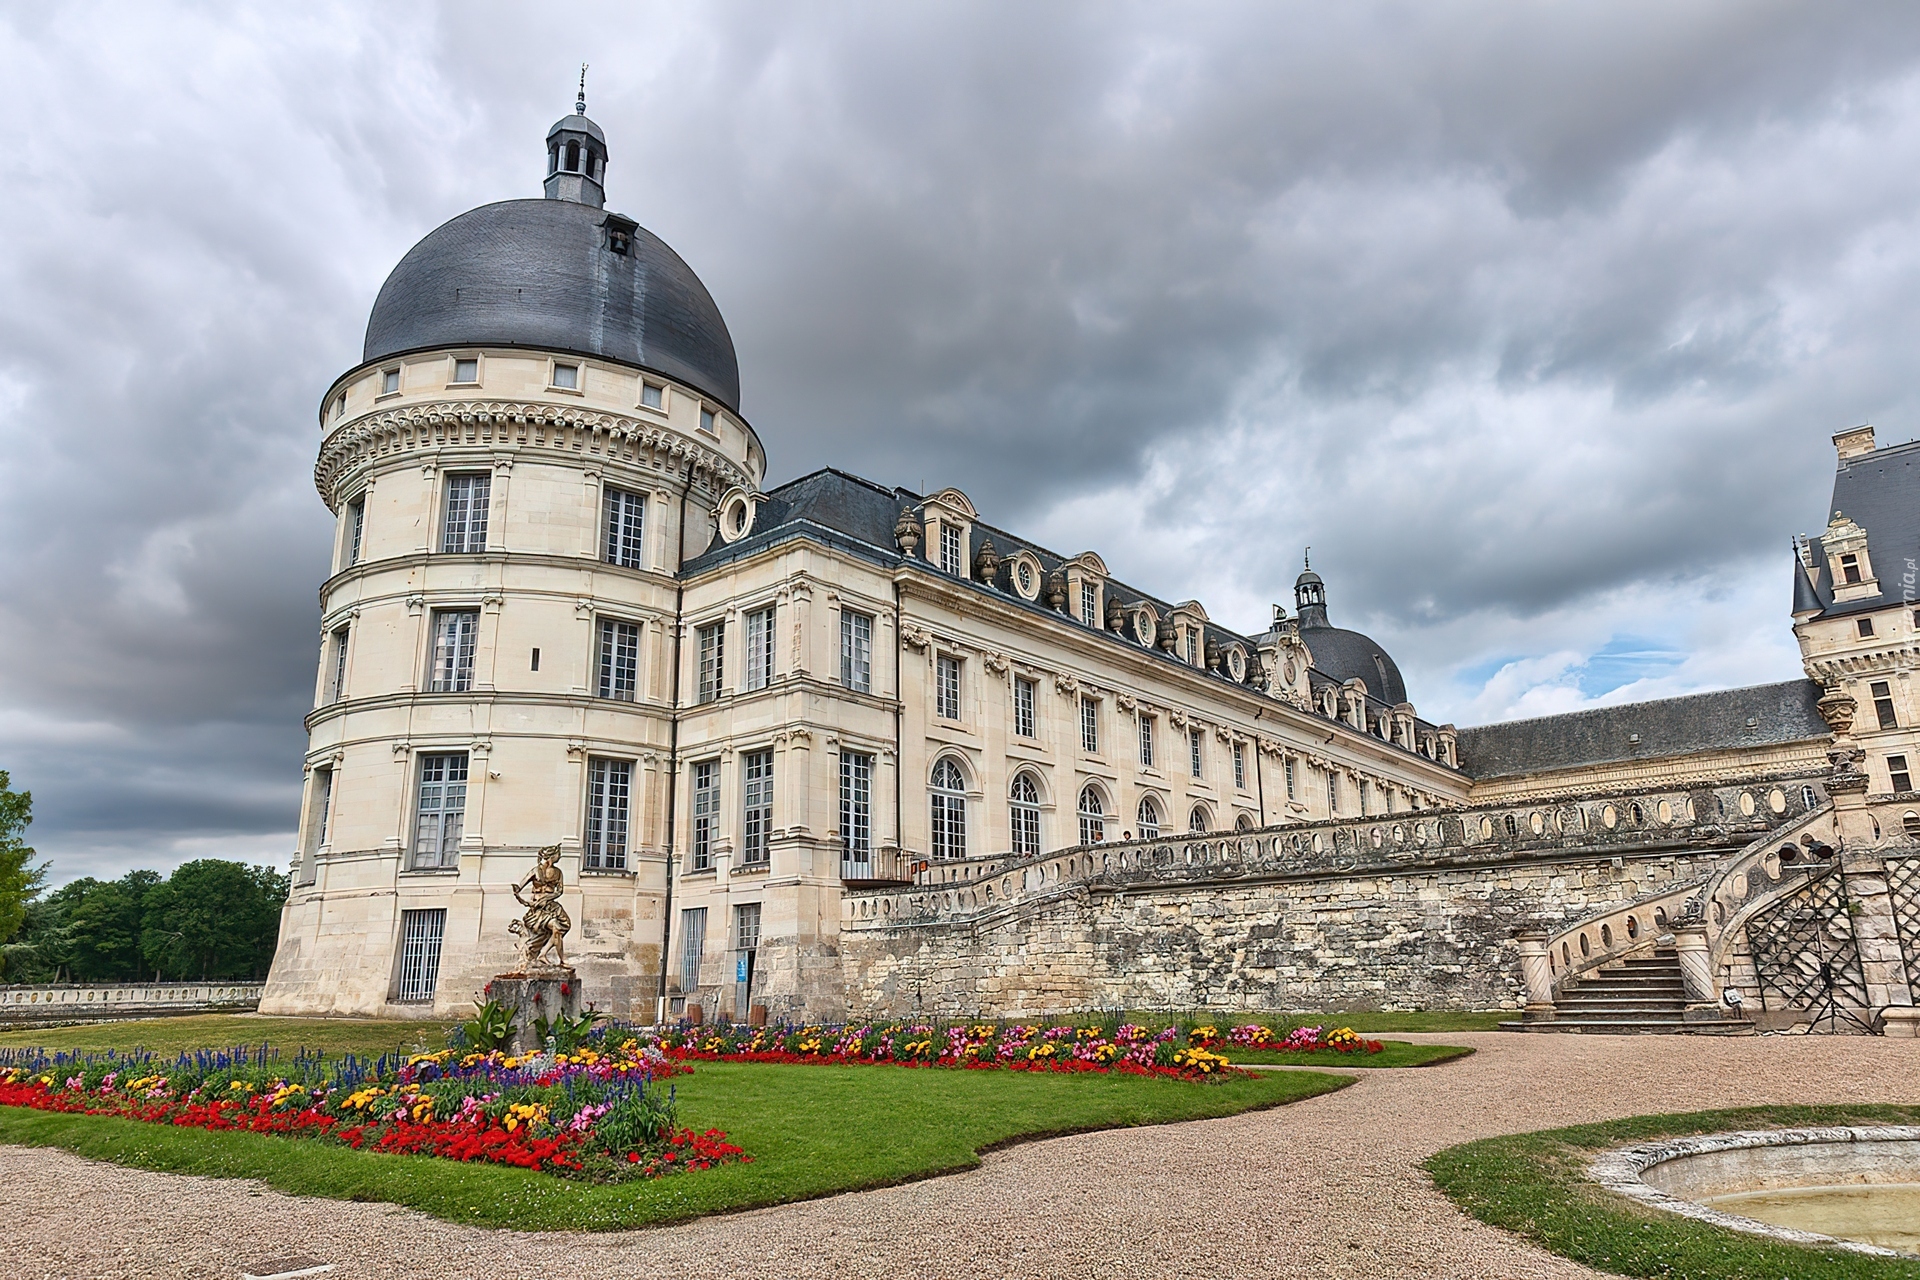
(576, 747)
(416, 602)
(1125, 701)
(996, 663)
(1067, 685)
(913, 637)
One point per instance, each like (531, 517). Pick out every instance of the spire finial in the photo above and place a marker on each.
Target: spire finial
(1306, 559)
(580, 103)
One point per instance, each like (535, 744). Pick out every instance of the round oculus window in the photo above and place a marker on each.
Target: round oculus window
(1237, 663)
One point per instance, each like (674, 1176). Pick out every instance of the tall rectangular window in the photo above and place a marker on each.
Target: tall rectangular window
(1193, 646)
(1089, 725)
(1850, 568)
(746, 926)
(441, 813)
(1883, 705)
(951, 559)
(1089, 599)
(693, 945)
(1365, 795)
(711, 641)
(454, 631)
(1290, 783)
(1333, 794)
(626, 528)
(1023, 691)
(323, 805)
(856, 806)
(1025, 816)
(619, 659)
(1146, 741)
(706, 812)
(420, 935)
(609, 788)
(756, 798)
(1897, 773)
(759, 672)
(1240, 766)
(946, 687)
(337, 681)
(356, 528)
(464, 529)
(856, 651)
(1196, 745)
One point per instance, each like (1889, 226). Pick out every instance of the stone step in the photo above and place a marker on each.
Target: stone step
(1615, 1003)
(1629, 1027)
(1663, 990)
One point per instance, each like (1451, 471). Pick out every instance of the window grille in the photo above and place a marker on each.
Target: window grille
(1240, 766)
(1148, 818)
(1146, 742)
(951, 559)
(1197, 821)
(1883, 705)
(1089, 726)
(626, 529)
(706, 812)
(465, 528)
(693, 945)
(1089, 600)
(1193, 646)
(759, 672)
(609, 787)
(949, 811)
(1023, 690)
(619, 659)
(946, 693)
(339, 682)
(856, 807)
(712, 642)
(1195, 747)
(1093, 817)
(357, 524)
(1025, 809)
(757, 800)
(454, 631)
(856, 651)
(442, 811)
(746, 926)
(420, 935)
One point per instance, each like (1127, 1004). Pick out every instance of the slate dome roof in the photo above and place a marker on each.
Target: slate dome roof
(543, 273)
(1348, 655)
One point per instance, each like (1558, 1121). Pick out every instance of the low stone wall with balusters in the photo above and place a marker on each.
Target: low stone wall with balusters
(1416, 910)
(38, 1005)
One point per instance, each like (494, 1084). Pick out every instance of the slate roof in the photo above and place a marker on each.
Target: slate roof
(540, 273)
(1880, 492)
(1758, 716)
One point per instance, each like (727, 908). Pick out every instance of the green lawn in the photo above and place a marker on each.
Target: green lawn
(225, 1030)
(1535, 1184)
(1366, 1022)
(812, 1131)
(1398, 1053)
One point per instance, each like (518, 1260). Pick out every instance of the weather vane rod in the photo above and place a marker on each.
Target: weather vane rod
(580, 103)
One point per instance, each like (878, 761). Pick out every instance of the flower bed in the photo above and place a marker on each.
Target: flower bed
(1297, 1040)
(594, 1112)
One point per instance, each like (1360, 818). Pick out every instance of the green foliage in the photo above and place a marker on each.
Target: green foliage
(1535, 1185)
(212, 919)
(20, 879)
(168, 1036)
(489, 1028)
(566, 1033)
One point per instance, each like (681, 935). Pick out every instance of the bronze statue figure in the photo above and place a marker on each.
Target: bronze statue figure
(546, 922)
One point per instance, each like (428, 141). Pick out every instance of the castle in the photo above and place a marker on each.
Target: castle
(834, 747)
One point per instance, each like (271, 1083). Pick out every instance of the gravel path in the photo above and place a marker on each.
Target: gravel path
(1329, 1187)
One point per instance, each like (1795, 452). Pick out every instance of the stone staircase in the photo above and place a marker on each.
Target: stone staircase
(1642, 994)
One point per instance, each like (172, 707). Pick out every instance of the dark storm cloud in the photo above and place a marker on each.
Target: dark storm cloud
(1532, 319)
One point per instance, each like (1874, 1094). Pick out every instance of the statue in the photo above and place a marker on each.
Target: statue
(546, 922)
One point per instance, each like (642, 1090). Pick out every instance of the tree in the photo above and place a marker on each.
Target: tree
(100, 939)
(20, 880)
(212, 919)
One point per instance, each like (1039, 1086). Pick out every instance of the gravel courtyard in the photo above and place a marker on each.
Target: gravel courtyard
(1328, 1187)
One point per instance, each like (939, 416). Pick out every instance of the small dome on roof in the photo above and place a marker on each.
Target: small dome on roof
(1344, 655)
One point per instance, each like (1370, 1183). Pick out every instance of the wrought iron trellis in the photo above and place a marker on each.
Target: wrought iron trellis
(1903, 886)
(1802, 941)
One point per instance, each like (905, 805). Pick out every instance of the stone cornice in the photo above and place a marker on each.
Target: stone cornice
(404, 431)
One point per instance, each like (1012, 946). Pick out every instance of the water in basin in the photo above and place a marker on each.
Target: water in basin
(1886, 1214)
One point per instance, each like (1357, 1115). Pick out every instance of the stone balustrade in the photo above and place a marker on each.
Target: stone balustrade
(77, 1001)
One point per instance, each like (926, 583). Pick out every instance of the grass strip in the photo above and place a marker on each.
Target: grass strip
(813, 1131)
(1535, 1185)
(1398, 1053)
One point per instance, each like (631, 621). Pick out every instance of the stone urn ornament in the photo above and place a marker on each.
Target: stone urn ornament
(906, 531)
(986, 565)
(1057, 589)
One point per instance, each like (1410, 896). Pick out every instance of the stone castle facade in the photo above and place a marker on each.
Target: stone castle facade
(833, 747)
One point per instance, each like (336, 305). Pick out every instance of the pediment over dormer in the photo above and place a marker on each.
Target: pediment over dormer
(957, 502)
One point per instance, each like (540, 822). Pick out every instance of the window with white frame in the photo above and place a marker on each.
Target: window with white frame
(322, 805)
(1196, 748)
(948, 804)
(356, 528)
(693, 945)
(711, 643)
(759, 670)
(626, 528)
(756, 798)
(1198, 821)
(1193, 646)
(1146, 740)
(389, 382)
(1089, 603)
(1023, 699)
(619, 659)
(609, 789)
(420, 937)
(337, 682)
(946, 687)
(653, 395)
(856, 806)
(441, 812)
(466, 369)
(1024, 805)
(1290, 783)
(463, 528)
(1093, 816)
(856, 651)
(746, 926)
(454, 635)
(706, 813)
(566, 376)
(1148, 818)
(1089, 725)
(1240, 766)
(952, 558)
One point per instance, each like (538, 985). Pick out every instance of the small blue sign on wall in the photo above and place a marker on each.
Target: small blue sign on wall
(740, 969)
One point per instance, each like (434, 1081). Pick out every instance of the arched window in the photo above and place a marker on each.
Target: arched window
(1148, 817)
(949, 811)
(1243, 823)
(1093, 817)
(1025, 797)
(1197, 820)
(573, 157)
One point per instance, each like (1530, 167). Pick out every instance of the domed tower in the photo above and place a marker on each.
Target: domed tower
(544, 419)
(1344, 655)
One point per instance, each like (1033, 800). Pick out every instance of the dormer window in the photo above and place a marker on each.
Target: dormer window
(1850, 568)
(619, 241)
(566, 377)
(952, 559)
(1089, 603)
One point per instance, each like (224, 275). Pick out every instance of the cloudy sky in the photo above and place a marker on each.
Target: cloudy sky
(1534, 320)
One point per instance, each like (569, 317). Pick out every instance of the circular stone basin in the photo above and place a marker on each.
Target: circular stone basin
(1853, 1188)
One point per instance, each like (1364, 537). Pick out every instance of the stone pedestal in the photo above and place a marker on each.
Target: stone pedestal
(534, 995)
(1902, 1022)
(1538, 973)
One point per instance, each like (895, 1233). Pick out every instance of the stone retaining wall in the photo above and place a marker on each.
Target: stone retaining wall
(67, 1002)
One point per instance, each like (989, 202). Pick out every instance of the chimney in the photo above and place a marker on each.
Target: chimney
(1854, 441)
